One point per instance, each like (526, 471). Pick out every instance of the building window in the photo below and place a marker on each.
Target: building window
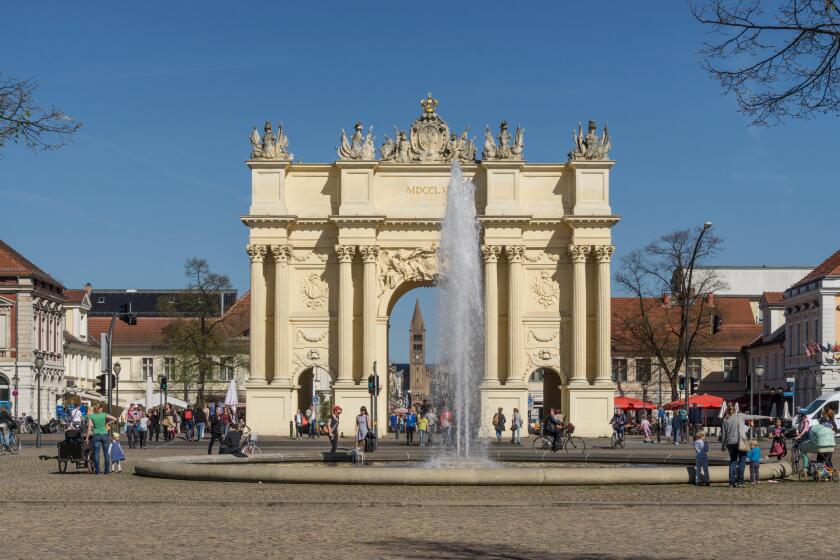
(418, 347)
(169, 367)
(4, 340)
(643, 370)
(100, 299)
(695, 368)
(418, 337)
(730, 370)
(225, 369)
(148, 368)
(538, 375)
(619, 370)
(798, 339)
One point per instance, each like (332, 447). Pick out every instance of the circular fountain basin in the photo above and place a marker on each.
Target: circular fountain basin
(281, 468)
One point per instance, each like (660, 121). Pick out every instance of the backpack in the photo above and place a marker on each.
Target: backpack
(188, 414)
(496, 419)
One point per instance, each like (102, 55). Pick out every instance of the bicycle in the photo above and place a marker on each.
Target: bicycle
(617, 439)
(568, 443)
(13, 446)
(251, 447)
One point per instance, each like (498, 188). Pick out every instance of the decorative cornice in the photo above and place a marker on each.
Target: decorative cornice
(581, 222)
(268, 221)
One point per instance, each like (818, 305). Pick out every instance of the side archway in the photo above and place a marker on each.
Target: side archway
(544, 392)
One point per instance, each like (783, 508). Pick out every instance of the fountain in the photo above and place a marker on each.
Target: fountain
(461, 312)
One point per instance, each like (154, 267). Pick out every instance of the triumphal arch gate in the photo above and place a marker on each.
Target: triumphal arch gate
(334, 245)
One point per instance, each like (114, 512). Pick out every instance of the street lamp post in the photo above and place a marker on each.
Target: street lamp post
(39, 364)
(685, 302)
(16, 381)
(117, 368)
(759, 372)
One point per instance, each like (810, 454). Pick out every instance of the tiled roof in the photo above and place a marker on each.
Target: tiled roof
(829, 267)
(75, 296)
(13, 263)
(738, 326)
(148, 332)
(773, 298)
(238, 317)
(91, 341)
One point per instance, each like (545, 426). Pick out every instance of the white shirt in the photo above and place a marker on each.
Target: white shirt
(76, 416)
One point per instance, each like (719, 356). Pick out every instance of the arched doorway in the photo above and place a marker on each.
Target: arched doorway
(544, 392)
(314, 389)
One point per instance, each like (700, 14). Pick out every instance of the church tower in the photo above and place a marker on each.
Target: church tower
(420, 381)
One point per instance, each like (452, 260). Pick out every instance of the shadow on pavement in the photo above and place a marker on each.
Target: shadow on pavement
(412, 548)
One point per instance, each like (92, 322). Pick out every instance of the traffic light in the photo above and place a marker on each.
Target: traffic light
(126, 315)
(164, 383)
(682, 382)
(371, 384)
(693, 386)
(377, 385)
(102, 384)
(717, 321)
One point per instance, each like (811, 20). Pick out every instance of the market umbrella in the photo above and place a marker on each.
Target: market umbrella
(737, 407)
(628, 403)
(231, 398)
(701, 400)
(401, 410)
(722, 412)
(786, 412)
(149, 393)
(773, 411)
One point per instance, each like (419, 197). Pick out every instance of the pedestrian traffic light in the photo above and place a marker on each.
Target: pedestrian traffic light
(164, 383)
(693, 386)
(717, 321)
(371, 384)
(126, 315)
(102, 384)
(682, 382)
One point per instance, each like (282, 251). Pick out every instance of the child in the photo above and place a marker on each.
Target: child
(701, 459)
(422, 428)
(646, 429)
(754, 456)
(116, 452)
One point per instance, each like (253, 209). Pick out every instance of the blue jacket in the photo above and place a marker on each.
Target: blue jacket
(754, 455)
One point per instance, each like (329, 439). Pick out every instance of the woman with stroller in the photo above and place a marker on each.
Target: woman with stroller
(778, 448)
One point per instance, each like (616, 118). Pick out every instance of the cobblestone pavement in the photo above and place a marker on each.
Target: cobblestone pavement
(100, 516)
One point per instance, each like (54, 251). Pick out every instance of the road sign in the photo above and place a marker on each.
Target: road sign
(316, 400)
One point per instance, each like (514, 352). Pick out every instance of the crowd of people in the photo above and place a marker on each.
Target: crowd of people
(422, 420)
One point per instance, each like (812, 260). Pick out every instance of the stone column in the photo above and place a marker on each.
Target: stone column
(370, 255)
(281, 255)
(491, 313)
(344, 254)
(257, 329)
(578, 254)
(603, 254)
(515, 347)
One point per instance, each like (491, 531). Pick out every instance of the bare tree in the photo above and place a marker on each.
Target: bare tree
(202, 340)
(781, 62)
(21, 119)
(671, 313)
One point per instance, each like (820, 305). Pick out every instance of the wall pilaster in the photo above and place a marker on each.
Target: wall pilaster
(344, 254)
(257, 373)
(578, 255)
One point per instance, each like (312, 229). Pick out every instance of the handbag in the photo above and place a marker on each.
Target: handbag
(743, 444)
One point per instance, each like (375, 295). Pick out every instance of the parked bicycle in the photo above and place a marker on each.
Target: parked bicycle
(568, 442)
(7, 433)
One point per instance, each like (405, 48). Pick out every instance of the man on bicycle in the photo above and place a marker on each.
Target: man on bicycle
(7, 424)
(553, 426)
(618, 421)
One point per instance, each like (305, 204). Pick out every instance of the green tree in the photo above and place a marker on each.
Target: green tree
(22, 120)
(203, 342)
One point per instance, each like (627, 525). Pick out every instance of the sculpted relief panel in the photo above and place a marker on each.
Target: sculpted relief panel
(545, 289)
(314, 291)
(401, 265)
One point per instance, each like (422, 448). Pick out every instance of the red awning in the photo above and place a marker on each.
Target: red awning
(627, 403)
(702, 401)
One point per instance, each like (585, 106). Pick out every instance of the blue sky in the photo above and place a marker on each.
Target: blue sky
(168, 92)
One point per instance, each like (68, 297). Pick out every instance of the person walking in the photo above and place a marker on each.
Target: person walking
(733, 438)
(298, 424)
(116, 453)
(131, 418)
(200, 416)
(189, 423)
(646, 428)
(668, 425)
(432, 418)
(778, 447)
(499, 422)
(446, 426)
(676, 427)
(695, 418)
(217, 433)
(392, 422)
(422, 429)
(660, 417)
(98, 427)
(701, 459)
(143, 430)
(361, 428)
(313, 422)
(516, 427)
(754, 456)
(154, 425)
(410, 426)
(332, 428)
(683, 414)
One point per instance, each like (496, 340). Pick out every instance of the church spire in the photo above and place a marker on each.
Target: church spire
(417, 319)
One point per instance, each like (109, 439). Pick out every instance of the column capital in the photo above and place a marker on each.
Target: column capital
(514, 253)
(491, 253)
(603, 253)
(281, 253)
(256, 253)
(345, 253)
(579, 253)
(370, 253)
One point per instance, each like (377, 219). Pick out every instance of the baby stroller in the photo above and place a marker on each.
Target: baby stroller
(820, 442)
(75, 450)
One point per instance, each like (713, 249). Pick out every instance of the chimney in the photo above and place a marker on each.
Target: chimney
(710, 299)
(666, 298)
(88, 288)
